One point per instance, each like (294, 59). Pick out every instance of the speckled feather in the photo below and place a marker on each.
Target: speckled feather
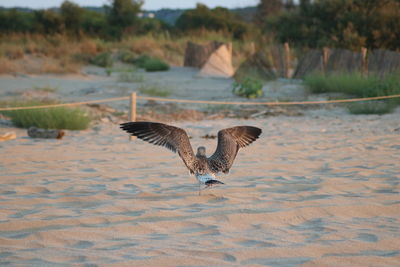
(230, 140)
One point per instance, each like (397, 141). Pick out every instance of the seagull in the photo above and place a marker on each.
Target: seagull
(204, 168)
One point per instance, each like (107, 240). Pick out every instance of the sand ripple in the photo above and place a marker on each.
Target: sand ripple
(312, 191)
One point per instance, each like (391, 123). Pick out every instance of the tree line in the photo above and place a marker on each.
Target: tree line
(116, 20)
(308, 23)
(335, 23)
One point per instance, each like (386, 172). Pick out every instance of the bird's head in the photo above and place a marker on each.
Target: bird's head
(201, 151)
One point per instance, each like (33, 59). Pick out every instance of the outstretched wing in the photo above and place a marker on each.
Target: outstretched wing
(229, 142)
(173, 138)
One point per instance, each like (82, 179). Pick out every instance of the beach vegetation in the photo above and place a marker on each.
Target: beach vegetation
(104, 60)
(130, 77)
(358, 85)
(371, 107)
(141, 60)
(69, 118)
(154, 90)
(127, 56)
(150, 63)
(248, 87)
(355, 84)
(155, 64)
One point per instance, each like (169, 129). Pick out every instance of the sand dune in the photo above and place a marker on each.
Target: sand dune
(313, 191)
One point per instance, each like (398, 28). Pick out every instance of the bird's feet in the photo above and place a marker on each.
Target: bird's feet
(210, 183)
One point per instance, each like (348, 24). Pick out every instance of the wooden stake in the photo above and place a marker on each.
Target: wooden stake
(252, 48)
(325, 58)
(132, 111)
(364, 64)
(287, 60)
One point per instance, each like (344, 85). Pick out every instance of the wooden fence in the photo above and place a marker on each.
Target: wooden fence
(380, 62)
(279, 61)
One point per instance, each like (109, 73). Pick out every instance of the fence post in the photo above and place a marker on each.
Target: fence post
(325, 58)
(132, 111)
(364, 62)
(287, 60)
(230, 48)
(252, 48)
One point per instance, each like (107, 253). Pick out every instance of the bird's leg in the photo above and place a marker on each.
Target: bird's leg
(199, 188)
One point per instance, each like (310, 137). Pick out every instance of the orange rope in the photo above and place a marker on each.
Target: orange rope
(205, 102)
(268, 103)
(67, 104)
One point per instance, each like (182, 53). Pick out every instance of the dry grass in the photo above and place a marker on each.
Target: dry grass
(60, 67)
(7, 66)
(172, 50)
(61, 54)
(13, 52)
(89, 47)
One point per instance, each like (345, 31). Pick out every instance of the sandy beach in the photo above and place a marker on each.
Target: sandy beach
(320, 186)
(316, 190)
(180, 82)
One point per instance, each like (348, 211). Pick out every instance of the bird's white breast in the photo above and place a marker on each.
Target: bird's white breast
(203, 178)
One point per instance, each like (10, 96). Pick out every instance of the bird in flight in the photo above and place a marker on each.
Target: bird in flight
(205, 168)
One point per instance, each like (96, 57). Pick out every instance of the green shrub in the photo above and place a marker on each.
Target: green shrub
(391, 86)
(358, 85)
(249, 87)
(353, 84)
(141, 60)
(51, 118)
(103, 60)
(372, 107)
(151, 63)
(127, 57)
(155, 64)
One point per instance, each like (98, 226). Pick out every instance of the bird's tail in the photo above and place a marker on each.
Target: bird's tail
(213, 182)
